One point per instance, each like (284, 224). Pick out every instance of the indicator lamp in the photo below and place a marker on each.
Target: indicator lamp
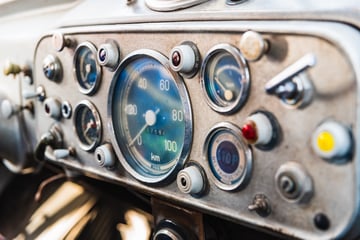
(332, 141)
(258, 129)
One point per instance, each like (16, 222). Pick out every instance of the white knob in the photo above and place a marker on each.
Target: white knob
(61, 153)
(7, 108)
(104, 155)
(52, 108)
(332, 140)
(190, 180)
(182, 59)
(108, 55)
(253, 46)
(258, 129)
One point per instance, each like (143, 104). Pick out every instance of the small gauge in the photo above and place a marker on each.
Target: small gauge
(87, 125)
(225, 78)
(228, 156)
(149, 111)
(86, 70)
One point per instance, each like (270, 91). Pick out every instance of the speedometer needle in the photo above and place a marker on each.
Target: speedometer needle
(150, 120)
(228, 94)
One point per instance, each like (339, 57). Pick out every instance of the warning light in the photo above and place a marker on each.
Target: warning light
(249, 132)
(325, 141)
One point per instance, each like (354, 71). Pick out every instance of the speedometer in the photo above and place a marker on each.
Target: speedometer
(150, 117)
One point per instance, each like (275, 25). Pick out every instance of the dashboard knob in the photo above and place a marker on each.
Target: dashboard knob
(59, 41)
(190, 180)
(40, 94)
(253, 46)
(52, 68)
(105, 156)
(185, 59)
(108, 54)
(13, 68)
(64, 153)
(257, 129)
(8, 109)
(332, 141)
(52, 108)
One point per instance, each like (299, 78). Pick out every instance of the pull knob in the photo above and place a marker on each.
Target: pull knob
(291, 85)
(8, 109)
(105, 156)
(191, 180)
(253, 46)
(13, 68)
(108, 55)
(59, 41)
(52, 68)
(39, 93)
(52, 108)
(185, 59)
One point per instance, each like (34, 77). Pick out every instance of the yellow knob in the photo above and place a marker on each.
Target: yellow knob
(11, 68)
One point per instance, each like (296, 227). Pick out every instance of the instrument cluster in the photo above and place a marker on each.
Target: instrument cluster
(248, 125)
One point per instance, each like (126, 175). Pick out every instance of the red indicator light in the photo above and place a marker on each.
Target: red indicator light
(249, 132)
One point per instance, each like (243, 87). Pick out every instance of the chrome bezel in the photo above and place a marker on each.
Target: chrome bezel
(121, 150)
(93, 88)
(245, 155)
(89, 105)
(244, 70)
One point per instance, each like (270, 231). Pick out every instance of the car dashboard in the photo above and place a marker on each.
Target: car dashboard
(242, 112)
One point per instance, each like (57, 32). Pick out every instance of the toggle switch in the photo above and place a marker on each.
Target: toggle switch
(260, 205)
(39, 94)
(185, 59)
(261, 129)
(292, 86)
(64, 153)
(332, 141)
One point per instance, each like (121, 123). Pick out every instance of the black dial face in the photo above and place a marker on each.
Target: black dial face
(87, 125)
(87, 71)
(153, 131)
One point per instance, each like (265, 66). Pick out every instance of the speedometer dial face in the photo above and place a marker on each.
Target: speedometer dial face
(150, 116)
(86, 70)
(225, 78)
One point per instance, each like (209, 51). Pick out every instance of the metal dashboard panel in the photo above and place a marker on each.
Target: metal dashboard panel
(336, 186)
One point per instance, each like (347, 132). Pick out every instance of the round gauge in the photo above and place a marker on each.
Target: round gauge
(86, 70)
(228, 156)
(150, 116)
(225, 78)
(87, 125)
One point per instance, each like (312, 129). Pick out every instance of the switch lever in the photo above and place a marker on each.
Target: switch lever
(291, 85)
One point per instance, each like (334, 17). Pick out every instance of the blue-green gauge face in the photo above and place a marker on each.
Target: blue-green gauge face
(87, 71)
(225, 78)
(151, 117)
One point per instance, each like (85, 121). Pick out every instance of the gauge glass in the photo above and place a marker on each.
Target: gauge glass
(87, 125)
(228, 156)
(86, 70)
(225, 78)
(150, 115)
